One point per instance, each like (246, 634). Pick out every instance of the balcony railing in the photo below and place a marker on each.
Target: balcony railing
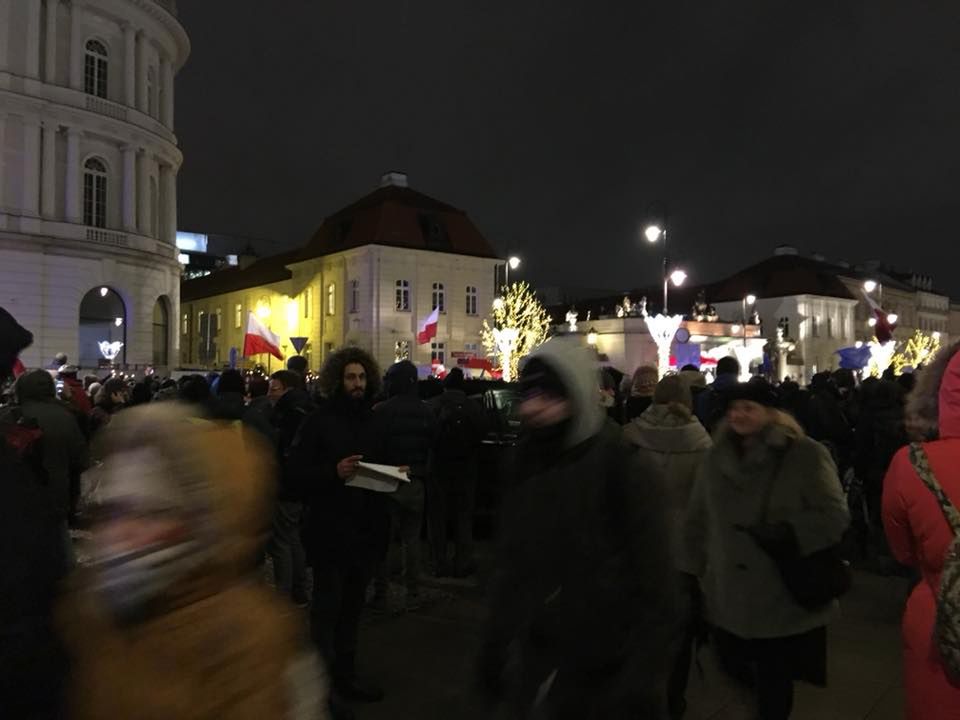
(106, 237)
(105, 107)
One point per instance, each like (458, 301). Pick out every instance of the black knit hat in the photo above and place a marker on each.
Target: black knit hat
(759, 392)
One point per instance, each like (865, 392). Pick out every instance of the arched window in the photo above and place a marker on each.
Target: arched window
(439, 298)
(151, 92)
(95, 193)
(331, 299)
(95, 69)
(154, 208)
(161, 333)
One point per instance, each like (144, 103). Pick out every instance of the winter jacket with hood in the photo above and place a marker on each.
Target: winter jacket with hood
(744, 592)
(212, 642)
(64, 447)
(920, 537)
(671, 439)
(583, 607)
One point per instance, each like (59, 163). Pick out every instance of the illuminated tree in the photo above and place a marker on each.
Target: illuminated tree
(518, 325)
(918, 350)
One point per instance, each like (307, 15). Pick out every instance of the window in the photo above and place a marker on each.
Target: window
(439, 298)
(219, 315)
(238, 316)
(403, 295)
(307, 301)
(151, 92)
(200, 318)
(471, 348)
(331, 299)
(154, 208)
(95, 193)
(815, 326)
(185, 325)
(438, 353)
(471, 300)
(95, 69)
(829, 327)
(354, 296)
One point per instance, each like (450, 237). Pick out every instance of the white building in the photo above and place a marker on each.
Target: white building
(372, 273)
(88, 165)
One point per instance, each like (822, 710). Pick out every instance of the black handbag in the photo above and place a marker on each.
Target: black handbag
(814, 580)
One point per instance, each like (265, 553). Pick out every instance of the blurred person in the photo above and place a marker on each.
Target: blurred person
(763, 478)
(346, 530)
(919, 534)
(824, 420)
(712, 403)
(72, 390)
(194, 390)
(670, 438)
(610, 398)
(583, 604)
(111, 398)
(298, 364)
(33, 557)
(167, 621)
(402, 435)
(641, 392)
(59, 360)
(452, 485)
(290, 407)
(230, 405)
(141, 393)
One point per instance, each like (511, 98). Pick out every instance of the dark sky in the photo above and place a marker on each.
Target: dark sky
(557, 124)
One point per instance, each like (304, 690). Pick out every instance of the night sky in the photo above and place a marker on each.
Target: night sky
(557, 125)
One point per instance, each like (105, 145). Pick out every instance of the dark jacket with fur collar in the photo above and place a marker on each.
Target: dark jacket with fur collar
(742, 585)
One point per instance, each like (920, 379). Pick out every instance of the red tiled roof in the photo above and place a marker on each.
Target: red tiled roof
(399, 217)
(262, 272)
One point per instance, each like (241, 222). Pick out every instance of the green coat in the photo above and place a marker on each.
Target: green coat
(744, 593)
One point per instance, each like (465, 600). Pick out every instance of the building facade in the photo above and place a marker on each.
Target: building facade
(88, 166)
(371, 275)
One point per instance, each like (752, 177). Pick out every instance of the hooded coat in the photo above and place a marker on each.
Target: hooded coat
(919, 536)
(671, 439)
(744, 592)
(583, 608)
(64, 448)
(215, 643)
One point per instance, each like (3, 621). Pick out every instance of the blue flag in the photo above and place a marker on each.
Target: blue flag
(854, 358)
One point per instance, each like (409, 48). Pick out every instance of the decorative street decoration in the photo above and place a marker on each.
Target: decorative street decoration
(110, 350)
(663, 328)
(571, 319)
(506, 342)
(881, 355)
(520, 310)
(916, 352)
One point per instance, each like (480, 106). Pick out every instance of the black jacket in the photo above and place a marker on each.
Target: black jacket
(402, 433)
(473, 415)
(233, 406)
(344, 524)
(287, 417)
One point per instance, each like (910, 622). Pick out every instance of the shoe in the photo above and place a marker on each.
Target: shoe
(358, 691)
(338, 710)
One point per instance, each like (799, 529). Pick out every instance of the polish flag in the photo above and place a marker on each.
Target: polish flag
(428, 329)
(259, 339)
(884, 328)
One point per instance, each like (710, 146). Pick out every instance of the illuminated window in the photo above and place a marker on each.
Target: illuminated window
(238, 316)
(439, 298)
(471, 300)
(403, 295)
(307, 301)
(95, 193)
(331, 299)
(95, 69)
(438, 353)
(354, 296)
(185, 324)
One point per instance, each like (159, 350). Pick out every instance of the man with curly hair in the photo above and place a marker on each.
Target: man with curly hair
(347, 527)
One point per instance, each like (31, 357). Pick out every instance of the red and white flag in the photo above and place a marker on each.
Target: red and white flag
(884, 328)
(428, 329)
(259, 339)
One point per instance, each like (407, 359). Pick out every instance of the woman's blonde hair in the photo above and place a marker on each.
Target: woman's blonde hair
(923, 404)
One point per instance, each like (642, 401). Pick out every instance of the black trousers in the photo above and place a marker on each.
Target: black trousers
(339, 593)
(451, 499)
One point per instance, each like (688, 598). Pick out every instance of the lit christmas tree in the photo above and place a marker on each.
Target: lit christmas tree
(519, 324)
(918, 350)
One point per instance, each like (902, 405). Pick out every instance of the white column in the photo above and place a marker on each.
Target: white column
(129, 188)
(129, 65)
(142, 72)
(76, 45)
(31, 33)
(31, 166)
(48, 178)
(143, 184)
(72, 183)
(50, 49)
(168, 178)
(166, 82)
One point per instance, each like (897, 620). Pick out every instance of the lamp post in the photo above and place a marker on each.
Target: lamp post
(653, 233)
(750, 300)
(513, 262)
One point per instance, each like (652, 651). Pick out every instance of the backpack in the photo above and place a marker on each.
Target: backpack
(456, 434)
(946, 629)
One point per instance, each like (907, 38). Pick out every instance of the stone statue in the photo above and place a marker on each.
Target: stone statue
(700, 308)
(642, 305)
(572, 317)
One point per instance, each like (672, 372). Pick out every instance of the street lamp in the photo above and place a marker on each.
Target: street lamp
(653, 233)
(678, 277)
(892, 318)
(750, 300)
(513, 262)
(498, 303)
(592, 337)
(870, 285)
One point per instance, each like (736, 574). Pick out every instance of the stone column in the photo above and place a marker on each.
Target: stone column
(129, 65)
(129, 188)
(166, 82)
(31, 166)
(48, 194)
(31, 33)
(76, 45)
(50, 51)
(73, 205)
(168, 188)
(143, 183)
(142, 102)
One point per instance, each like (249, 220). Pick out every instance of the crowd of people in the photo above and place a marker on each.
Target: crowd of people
(643, 517)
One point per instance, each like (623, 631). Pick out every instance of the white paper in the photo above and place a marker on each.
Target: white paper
(378, 478)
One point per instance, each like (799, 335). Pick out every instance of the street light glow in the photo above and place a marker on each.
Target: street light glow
(498, 303)
(678, 277)
(103, 292)
(936, 335)
(592, 337)
(751, 299)
(892, 318)
(514, 262)
(653, 233)
(872, 322)
(735, 329)
(870, 285)
(118, 321)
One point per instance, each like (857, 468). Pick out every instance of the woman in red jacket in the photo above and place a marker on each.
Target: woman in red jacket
(919, 534)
